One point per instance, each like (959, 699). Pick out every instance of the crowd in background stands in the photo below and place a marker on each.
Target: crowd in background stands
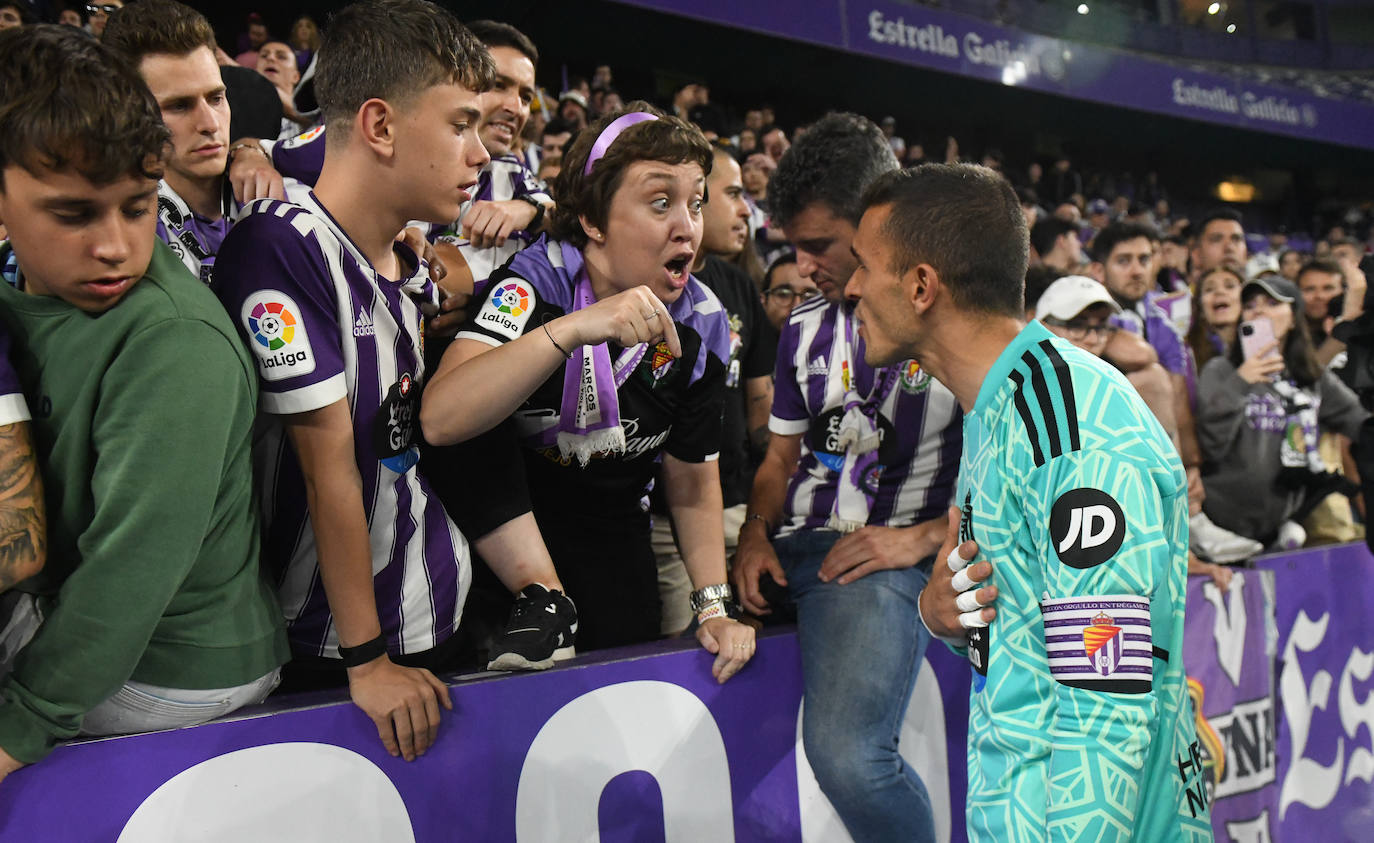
(1244, 344)
(1058, 199)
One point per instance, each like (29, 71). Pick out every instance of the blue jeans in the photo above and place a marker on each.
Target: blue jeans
(861, 645)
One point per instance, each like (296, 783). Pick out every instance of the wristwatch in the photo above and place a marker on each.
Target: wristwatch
(233, 150)
(703, 597)
(538, 212)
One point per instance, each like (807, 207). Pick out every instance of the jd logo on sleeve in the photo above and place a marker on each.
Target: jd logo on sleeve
(1087, 527)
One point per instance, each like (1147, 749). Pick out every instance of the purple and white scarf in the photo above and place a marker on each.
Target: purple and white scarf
(589, 419)
(858, 434)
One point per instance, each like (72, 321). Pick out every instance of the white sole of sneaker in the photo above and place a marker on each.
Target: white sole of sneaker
(515, 661)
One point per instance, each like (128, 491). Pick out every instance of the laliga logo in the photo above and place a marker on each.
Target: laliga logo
(512, 299)
(274, 327)
(1087, 526)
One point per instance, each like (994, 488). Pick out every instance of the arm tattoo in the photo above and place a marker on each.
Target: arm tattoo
(23, 538)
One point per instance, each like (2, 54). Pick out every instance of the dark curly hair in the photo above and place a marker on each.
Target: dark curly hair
(66, 101)
(666, 139)
(833, 163)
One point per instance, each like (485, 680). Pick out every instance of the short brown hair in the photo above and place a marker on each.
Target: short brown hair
(68, 101)
(394, 50)
(966, 222)
(1323, 265)
(157, 27)
(666, 139)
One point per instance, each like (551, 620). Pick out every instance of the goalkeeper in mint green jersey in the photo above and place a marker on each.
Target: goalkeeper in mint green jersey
(1080, 726)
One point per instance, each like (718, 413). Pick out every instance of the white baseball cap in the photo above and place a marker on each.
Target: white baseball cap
(1070, 295)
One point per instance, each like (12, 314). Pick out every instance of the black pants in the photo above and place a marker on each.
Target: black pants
(612, 577)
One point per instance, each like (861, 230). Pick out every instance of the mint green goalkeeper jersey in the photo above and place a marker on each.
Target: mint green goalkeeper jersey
(1080, 726)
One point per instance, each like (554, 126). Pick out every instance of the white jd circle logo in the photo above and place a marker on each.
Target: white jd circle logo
(1087, 527)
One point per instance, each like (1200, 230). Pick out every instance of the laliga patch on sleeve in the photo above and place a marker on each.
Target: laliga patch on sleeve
(1087, 527)
(1100, 643)
(277, 335)
(508, 308)
(303, 139)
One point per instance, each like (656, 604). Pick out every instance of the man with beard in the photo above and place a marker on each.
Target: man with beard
(1079, 719)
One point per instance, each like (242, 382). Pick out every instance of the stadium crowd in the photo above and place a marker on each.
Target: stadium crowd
(354, 359)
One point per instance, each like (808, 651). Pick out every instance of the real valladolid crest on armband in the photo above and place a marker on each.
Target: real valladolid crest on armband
(1100, 642)
(278, 336)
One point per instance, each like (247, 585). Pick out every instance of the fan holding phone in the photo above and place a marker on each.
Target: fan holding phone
(1258, 344)
(1261, 408)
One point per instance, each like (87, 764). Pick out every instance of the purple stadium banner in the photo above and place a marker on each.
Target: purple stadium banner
(1231, 672)
(1325, 614)
(954, 43)
(646, 746)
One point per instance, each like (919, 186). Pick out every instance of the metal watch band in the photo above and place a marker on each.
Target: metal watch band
(703, 597)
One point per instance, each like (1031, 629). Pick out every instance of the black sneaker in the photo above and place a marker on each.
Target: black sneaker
(541, 630)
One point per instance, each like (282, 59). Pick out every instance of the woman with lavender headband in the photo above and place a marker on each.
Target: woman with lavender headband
(610, 357)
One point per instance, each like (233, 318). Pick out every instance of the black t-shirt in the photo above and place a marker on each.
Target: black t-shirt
(667, 404)
(753, 351)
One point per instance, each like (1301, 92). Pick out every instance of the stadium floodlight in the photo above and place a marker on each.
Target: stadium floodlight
(1214, 8)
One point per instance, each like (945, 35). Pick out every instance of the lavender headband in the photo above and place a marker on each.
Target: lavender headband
(610, 133)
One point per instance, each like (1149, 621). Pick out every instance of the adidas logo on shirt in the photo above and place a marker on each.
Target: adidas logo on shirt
(818, 366)
(362, 326)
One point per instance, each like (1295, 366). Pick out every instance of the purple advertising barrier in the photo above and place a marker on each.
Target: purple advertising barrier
(954, 43)
(643, 747)
(646, 746)
(1325, 612)
(1231, 673)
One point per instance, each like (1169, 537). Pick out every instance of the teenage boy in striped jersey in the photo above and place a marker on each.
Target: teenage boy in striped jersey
(1080, 725)
(507, 209)
(372, 571)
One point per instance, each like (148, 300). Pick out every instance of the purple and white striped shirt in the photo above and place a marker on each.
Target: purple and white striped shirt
(919, 421)
(194, 239)
(323, 326)
(300, 158)
(504, 177)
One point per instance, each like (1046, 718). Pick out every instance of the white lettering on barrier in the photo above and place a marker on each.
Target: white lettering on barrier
(1307, 781)
(282, 791)
(930, 38)
(1247, 732)
(1219, 98)
(1228, 624)
(1354, 714)
(657, 727)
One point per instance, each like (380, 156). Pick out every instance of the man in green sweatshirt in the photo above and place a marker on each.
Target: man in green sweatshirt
(151, 612)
